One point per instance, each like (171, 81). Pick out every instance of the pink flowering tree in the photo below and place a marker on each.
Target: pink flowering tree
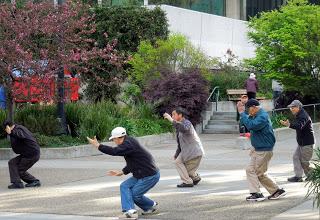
(38, 39)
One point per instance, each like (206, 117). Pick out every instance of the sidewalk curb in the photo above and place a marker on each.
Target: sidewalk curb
(303, 211)
(85, 150)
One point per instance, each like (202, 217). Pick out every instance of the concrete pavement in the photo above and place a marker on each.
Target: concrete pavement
(79, 188)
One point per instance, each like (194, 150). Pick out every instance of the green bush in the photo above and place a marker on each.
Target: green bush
(176, 53)
(236, 80)
(88, 120)
(129, 25)
(38, 119)
(57, 141)
(100, 118)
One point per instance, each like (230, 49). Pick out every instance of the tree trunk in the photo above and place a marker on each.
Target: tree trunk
(60, 106)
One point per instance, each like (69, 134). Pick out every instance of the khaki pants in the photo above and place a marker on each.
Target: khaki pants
(257, 172)
(301, 160)
(188, 170)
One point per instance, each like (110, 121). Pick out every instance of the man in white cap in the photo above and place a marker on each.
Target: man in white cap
(145, 174)
(305, 138)
(252, 86)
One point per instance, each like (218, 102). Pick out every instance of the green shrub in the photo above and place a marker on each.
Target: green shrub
(176, 53)
(57, 141)
(38, 119)
(100, 118)
(130, 25)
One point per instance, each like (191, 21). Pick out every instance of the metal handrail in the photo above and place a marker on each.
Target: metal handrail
(216, 94)
(314, 109)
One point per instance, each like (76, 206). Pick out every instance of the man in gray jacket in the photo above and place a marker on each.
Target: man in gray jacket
(189, 152)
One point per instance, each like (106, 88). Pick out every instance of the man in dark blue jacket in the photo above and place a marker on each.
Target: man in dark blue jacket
(24, 144)
(145, 174)
(262, 140)
(305, 138)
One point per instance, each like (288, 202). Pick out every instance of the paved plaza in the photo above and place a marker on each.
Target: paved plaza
(79, 189)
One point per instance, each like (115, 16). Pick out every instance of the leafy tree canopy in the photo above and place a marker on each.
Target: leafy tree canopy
(288, 46)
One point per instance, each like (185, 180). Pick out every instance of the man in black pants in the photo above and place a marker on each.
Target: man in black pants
(24, 144)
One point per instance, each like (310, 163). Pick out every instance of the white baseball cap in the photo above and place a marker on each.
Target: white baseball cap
(118, 132)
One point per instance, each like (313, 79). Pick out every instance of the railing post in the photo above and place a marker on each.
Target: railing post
(314, 113)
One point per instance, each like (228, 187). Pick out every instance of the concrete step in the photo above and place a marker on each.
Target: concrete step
(222, 127)
(223, 122)
(212, 131)
(224, 116)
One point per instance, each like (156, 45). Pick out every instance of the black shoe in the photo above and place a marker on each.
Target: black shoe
(185, 185)
(255, 197)
(195, 182)
(277, 194)
(295, 179)
(16, 186)
(33, 184)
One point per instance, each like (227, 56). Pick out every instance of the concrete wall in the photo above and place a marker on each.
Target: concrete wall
(230, 106)
(85, 150)
(213, 34)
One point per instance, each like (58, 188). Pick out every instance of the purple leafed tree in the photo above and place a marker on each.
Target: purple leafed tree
(188, 90)
(38, 39)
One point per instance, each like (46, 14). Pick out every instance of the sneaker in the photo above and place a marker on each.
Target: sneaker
(185, 185)
(277, 194)
(256, 197)
(129, 215)
(152, 211)
(16, 186)
(295, 179)
(35, 183)
(195, 182)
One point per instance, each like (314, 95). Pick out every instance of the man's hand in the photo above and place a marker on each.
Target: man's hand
(285, 123)
(8, 129)
(93, 141)
(168, 117)
(115, 173)
(240, 107)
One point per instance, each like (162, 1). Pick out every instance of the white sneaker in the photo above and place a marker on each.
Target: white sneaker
(152, 211)
(131, 214)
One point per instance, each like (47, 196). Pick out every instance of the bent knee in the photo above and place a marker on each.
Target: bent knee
(250, 170)
(11, 162)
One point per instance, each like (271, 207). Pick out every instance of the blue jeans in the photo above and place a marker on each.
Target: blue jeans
(132, 192)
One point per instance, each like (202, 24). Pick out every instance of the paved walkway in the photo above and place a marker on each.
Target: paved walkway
(79, 188)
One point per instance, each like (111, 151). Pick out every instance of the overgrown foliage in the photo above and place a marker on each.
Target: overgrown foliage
(188, 90)
(288, 46)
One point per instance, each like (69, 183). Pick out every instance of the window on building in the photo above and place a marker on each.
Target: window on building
(216, 7)
(254, 7)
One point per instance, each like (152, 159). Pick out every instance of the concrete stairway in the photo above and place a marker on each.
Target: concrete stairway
(222, 123)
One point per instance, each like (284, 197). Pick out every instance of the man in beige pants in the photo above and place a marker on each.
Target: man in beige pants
(190, 151)
(262, 140)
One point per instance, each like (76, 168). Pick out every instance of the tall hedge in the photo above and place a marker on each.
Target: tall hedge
(130, 24)
(127, 26)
